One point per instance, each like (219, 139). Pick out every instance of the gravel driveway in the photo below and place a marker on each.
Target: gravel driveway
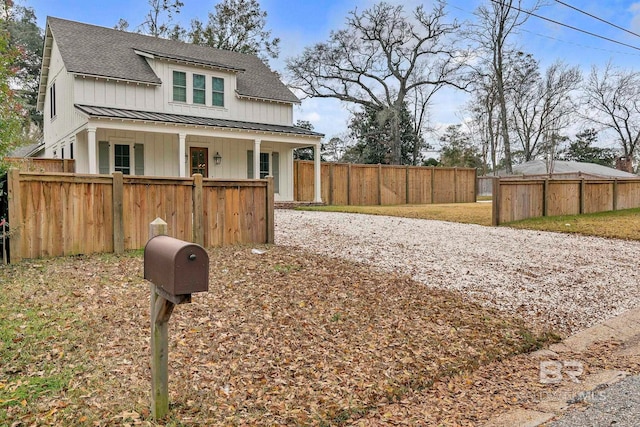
(565, 281)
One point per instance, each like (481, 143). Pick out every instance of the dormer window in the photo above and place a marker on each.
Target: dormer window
(199, 89)
(218, 92)
(179, 86)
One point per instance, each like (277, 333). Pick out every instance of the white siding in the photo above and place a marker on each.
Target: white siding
(58, 128)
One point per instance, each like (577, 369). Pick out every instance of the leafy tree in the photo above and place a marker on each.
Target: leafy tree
(305, 153)
(12, 113)
(239, 26)
(158, 22)
(457, 149)
(378, 60)
(373, 130)
(583, 150)
(27, 38)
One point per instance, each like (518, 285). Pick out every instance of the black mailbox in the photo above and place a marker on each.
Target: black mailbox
(176, 266)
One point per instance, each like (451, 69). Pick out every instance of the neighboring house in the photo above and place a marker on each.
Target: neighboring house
(119, 101)
(566, 168)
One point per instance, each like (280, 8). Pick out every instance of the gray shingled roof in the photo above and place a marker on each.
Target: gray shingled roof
(99, 51)
(538, 167)
(149, 116)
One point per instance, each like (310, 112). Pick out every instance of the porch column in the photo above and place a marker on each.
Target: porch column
(182, 154)
(317, 169)
(256, 158)
(93, 157)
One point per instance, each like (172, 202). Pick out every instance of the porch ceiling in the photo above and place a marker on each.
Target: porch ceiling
(149, 116)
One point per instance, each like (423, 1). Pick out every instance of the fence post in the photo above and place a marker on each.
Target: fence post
(349, 185)
(495, 201)
(118, 212)
(379, 184)
(198, 211)
(407, 189)
(270, 210)
(433, 184)
(615, 194)
(581, 196)
(455, 185)
(15, 215)
(331, 196)
(545, 197)
(159, 339)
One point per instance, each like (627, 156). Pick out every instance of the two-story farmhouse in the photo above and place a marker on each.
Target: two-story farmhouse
(119, 101)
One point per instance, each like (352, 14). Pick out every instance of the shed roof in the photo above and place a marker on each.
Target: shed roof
(150, 116)
(105, 52)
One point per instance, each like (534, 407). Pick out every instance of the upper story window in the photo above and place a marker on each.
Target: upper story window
(180, 86)
(217, 94)
(52, 100)
(199, 89)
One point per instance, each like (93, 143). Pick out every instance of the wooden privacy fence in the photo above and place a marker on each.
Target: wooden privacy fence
(354, 184)
(34, 164)
(515, 199)
(64, 214)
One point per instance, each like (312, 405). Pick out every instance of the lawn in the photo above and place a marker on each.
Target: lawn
(282, 338)
(623, 224)
(467, 213)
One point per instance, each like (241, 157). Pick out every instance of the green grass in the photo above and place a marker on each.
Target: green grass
(624, 224)
(31, 348)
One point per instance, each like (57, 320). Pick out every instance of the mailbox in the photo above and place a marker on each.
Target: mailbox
(176, 266)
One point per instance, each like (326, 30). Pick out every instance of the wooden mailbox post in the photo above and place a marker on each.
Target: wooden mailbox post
(176, 269)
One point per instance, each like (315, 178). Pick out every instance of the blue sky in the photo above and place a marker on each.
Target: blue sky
(300, 23)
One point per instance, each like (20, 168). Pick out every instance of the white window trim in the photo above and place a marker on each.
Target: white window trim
(208, 89)
(112, 154)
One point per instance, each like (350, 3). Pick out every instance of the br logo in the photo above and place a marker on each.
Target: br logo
(553, 371)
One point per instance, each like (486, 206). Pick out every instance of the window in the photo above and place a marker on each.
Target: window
(122, 159)
(264, 165)
(179, 86)
(199, 90)
(71, 149)
(52, 100)
(217, 92)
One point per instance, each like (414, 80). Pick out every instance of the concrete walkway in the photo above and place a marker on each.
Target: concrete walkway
(601, 398)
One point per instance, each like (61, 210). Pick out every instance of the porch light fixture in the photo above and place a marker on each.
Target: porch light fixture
(217, 158)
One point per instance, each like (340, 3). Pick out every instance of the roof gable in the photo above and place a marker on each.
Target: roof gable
(104, 52)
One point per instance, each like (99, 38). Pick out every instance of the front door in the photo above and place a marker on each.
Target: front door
(199, 161)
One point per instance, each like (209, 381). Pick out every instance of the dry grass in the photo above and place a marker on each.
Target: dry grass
(623, 224)
(466, 213)
(283, 338)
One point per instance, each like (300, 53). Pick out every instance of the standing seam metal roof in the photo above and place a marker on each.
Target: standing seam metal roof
(146, 116)
(99, 51)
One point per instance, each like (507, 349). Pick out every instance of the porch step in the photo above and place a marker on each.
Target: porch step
(293, 205)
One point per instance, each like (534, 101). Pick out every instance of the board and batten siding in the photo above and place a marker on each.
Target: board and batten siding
(60, 127)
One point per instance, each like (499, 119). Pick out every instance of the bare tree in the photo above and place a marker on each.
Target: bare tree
(542, 105)
(612, 99)
(497, 21)
(379, 58)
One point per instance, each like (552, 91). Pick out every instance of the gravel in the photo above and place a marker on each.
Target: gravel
(564, 281)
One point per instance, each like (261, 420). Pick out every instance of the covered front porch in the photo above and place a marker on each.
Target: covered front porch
(244, 151)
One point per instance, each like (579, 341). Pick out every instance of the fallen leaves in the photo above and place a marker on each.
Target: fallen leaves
(283, 338)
